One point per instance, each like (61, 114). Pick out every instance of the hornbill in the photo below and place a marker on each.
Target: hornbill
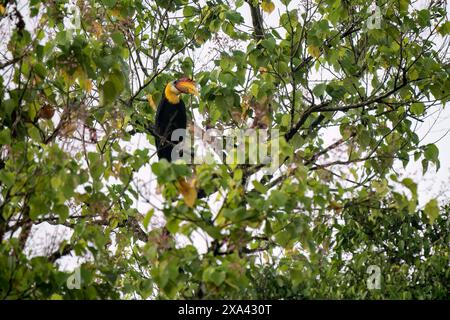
(171, 115)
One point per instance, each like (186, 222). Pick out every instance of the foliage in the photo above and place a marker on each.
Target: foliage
(74, 101)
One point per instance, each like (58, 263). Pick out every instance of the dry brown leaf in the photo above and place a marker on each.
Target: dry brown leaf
(98, 29)
(46, 112)
(261, 112)
(69, 128)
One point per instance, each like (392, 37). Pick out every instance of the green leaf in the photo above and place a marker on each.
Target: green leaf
(5, 136)
(62, 211)
(118, 38)
(269, 44)
(34, 134)
(118, 79)
(109, 92)
(8, 178)
(218, 277)
(431, 152)
(159, 168)
(335, 90)
(444, 29)
(214, 275)
(285, 120)
(95, 165)
(432, 210)
(109, 3)
(224, 102)
(404, 4)
(319, 89)
(234, 17)
(113, 87)
(237, 175)
(283, 238)
(189, 11)
(418, 108)
(165, 172)
(423, 17)
(259, 187)
(278, 198)
(147, 218)
(173, 225)
(37, 207)
(235, 215)
(411, 185)
(41, 70)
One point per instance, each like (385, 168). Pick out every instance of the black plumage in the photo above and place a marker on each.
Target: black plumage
(169, 117)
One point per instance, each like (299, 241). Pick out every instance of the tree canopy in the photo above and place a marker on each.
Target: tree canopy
(345, 86)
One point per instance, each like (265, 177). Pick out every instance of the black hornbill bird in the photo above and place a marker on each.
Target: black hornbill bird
(171, 115)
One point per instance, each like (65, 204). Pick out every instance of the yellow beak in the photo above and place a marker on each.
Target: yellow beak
(188, 86)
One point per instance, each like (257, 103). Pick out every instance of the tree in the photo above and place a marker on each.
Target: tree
(74, 100)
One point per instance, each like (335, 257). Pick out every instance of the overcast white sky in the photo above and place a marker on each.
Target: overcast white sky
(434, 128)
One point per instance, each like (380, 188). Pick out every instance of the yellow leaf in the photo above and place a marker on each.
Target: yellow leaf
(265, 121)
(79, 73)
(314, 51)
(2, 9)
(335, 206)
(88, 85)
(188, 190)
(262, 70)
(115, 13)
(68, 79)
(151, 102)
(83, 80)
(116, 168)
(199, 39)
(98, 29)
(118, 123)
(267, 6)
